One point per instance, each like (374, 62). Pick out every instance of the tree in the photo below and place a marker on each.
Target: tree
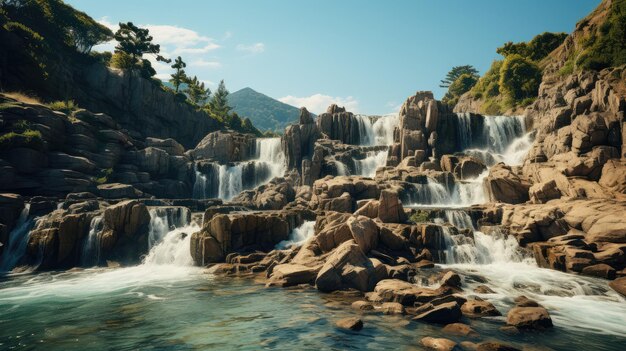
(196, 92)
(519, 77)
(536, 49)
(460, 86)
(219, 103)
(133, 43)
(179, 76)
(456, 72)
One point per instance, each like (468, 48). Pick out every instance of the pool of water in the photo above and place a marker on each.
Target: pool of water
(181, 308)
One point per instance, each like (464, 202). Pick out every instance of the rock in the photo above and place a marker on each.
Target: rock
(363, 305)
(523, 301)
(224, 147)
(170, 146)
(610, 228)
(351, 323)
(439, 344)
(392, 308)
(469, 168)
(544, 192)
(290, 274)
(341, 193)
(479, 308)
(395, 290)
(347, 268)
(460, 329)
(274, 195)
(444, 313)
(495, 346)
(619, 285)
(614, 176)
(502, 185)
(364, 232)
(118, 191)
(390, 208)
(451, 279)
(484, 289)
(600, 270)
(529, 318)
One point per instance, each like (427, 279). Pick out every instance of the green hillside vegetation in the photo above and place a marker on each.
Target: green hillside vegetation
(265, 112)
(56, 35)
(514, 81)
(601, 47)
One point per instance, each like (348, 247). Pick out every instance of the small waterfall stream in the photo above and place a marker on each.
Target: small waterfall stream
(298, 236)
(228, 180)
(90, 255)
(18, 240)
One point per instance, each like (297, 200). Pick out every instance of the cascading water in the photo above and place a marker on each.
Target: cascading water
(228, 180)
(90, 255)
(298, 236)
(367, 166)
(18, 240)
(342, 169)
(366, 130)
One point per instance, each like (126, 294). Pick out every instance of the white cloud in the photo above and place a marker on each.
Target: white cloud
(193, 51)
(318, 103)
(255, 48)
(205, 63)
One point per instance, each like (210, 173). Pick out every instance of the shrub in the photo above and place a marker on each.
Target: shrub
(460, 86)
(419, 216)
(66, 107)
(28, 138)
(519, 77)
(103, 176)
(122, 60)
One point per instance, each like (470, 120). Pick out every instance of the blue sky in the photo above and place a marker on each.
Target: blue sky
(367, 55)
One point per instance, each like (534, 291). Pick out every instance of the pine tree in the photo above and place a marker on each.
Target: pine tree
(133, 43)
(219, 103)
(456, 72)
(179, 76)
(196, 92)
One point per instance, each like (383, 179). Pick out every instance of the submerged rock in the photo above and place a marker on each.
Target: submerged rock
(351, 323)
(529, 318)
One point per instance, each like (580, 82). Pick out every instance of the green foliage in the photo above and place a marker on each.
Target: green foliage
(102, 57)
(196, 92)
(66, 107)
(460, 86)
(607, 46)
(103, 176)
(219, 102)
(179, 76)
(268, 133)
(536, 49)
(60, 24)
(456, 72)
(419, 216)
(28, 138)
(133, 43)
(492, 107)
(488, 85)
(519, 77)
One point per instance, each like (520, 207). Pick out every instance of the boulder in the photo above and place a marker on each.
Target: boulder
(444, 313)
(224, 147)
(619, 285)
(347, 267)
(118, 191)
(439, 344)
(390, 208)
(479, 308)
(529, 318)
(469, 168)
(502, 185)
(364, 232)
(392, 308)
(290, 274)
(351, 323)
(460, 329)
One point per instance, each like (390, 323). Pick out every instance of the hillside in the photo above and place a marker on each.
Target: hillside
(265, 112)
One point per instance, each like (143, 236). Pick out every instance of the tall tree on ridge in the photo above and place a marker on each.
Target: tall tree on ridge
(219, 103)
(179, 76)
(456, 72)
(133, 43)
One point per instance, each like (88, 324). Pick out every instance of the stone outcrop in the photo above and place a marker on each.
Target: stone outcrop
(338, 124)
(503, 185)
(224, 147)
(298, 144)
(226, 233)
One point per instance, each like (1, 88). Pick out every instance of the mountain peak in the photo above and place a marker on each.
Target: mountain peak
(265, 112)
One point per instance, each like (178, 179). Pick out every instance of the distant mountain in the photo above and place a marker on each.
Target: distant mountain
(265, 112)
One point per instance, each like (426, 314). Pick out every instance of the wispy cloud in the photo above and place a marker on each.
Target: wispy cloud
(317, 103)
(205, 63)
(255, 48)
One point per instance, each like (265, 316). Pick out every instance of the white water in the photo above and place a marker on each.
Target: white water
(342, 169)
(18, 240)
(377, 130)
(367, 166)
(90, 255)
(227, 181)
(298, 236)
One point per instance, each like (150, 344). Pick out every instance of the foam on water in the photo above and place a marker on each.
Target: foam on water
(298, 236)
(367, 166)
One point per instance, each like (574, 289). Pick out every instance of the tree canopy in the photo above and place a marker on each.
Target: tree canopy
(456, 72)
(179, 76)
(132, 43)
(519, 77)
(219, 102)
(536, 49)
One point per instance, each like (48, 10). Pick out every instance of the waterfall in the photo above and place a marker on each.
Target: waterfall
(228, 180)
(366, 130)
(298, 236)
(429, 194)
(493, 139)
(170, 236)
(90, 255)
(342, 169)
(459, 219)
(481, 249)
(367, 166)
(17, 241)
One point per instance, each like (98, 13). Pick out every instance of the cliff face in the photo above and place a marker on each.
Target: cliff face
(139, 105)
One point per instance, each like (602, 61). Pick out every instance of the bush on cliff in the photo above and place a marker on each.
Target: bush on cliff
(519, 78)
(459, 87)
